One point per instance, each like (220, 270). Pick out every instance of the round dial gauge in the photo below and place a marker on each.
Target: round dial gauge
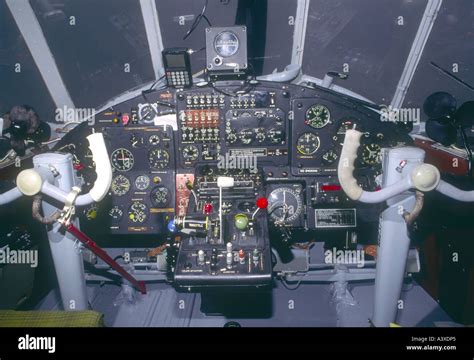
(246, 136)
(122, 159)
(260, 135)
(154, 140)
(147, 113)
(284, 205)
(116, 213)
(276, 136)
(158, 158)
(120, 185)
(190, 153)
(308, 144)
(137, 212)
(318, 116)
(226, 44)
(330, 157)
(142, 182)
(231, 137)
(136, 141)
(91, 212)
(160, 197)
(341, 132)
(371, 154)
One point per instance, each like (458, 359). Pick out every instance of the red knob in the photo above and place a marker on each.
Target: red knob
(262, 203)
(208, 208)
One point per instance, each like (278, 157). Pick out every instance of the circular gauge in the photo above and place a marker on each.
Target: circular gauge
(91, 212)
(260, 135)
(137, 212)
(308, 144)
(122, 159)
(160, 197)
(116, 213)
(136, 141)
(158, 158)
(142, 182)
(190, 153)
(318, 116)
(154, 140)
(341, 132)
(147, 113)
(231, 137)
(276, 136)
(371, 154)
(120, 185)
(330, 157)
(226, 44)
(284, 205)
(246, 136)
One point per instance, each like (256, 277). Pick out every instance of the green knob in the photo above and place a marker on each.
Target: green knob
(241, 222)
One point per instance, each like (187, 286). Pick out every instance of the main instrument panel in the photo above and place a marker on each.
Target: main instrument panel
(280, 142)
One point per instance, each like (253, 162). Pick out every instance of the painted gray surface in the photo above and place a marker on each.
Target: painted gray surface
(92, 54)
(313, 307)
(451, 41)
(26, 86)
(365, 35)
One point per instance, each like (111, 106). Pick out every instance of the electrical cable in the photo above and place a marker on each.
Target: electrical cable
(286, 285)
(198, 20)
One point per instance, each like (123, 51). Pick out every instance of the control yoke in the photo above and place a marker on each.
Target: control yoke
(40, 180)
(422, 177)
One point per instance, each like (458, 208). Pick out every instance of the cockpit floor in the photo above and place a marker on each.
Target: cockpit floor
(310, 305)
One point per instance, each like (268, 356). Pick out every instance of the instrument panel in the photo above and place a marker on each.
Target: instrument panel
(292, 134)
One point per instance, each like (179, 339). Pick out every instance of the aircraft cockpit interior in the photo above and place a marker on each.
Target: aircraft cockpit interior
(237, 163)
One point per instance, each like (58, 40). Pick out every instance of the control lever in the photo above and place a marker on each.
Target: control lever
(403, 169)
(31, 182)
(223, 182)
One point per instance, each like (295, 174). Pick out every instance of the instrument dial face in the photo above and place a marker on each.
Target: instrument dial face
(330, 157)
(147, 113)
(308, 144)
(116, 213)
(260, 135)
(276, 136)
(160, 197)
(142, 182)
(318, 116)
(231, 137)
(91, 212)
(136, 141)
(154, 140)
(122, 159)
(371, 154)
(246, 136)
(158, 158)
(190, 153)
(285, 205)
(138, 212)
(120, 185)
(341, 132)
